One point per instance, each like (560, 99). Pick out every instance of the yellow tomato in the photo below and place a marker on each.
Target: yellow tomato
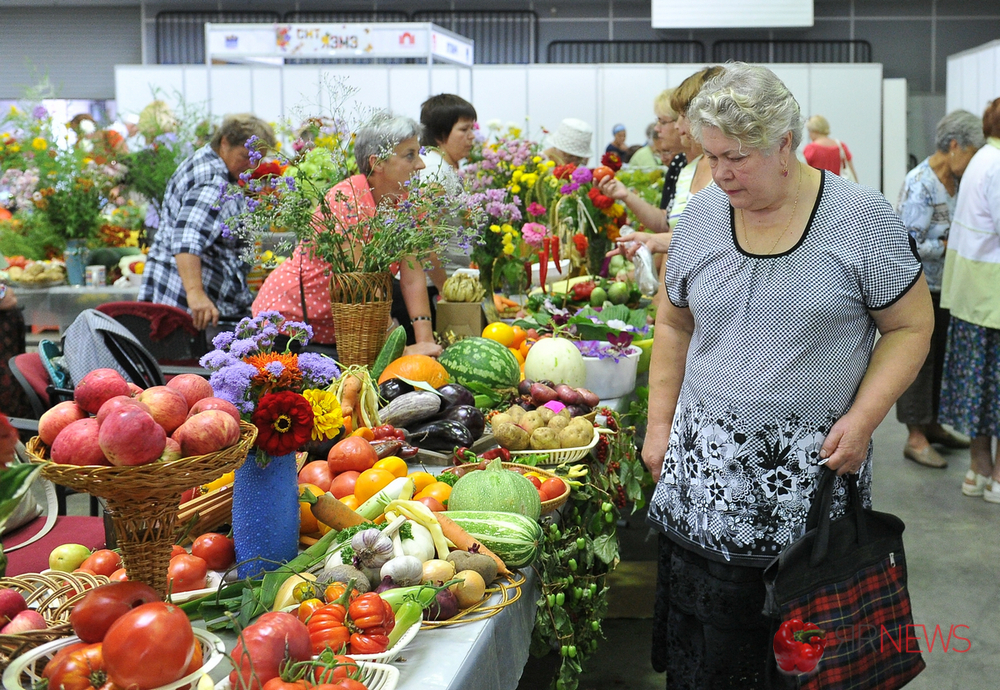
(364, 432)
(308, 524)
(519, 335)
(395, 466)
(438, 490)
(351, 501)
(370, 482)
(517, 355)
(421, 480)
(500, 332)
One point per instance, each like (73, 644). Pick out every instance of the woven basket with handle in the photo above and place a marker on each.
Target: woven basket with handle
(361, 305)
(142, 499)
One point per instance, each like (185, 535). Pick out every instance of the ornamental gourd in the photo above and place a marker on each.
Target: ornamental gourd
(496, 489)
(557, 360)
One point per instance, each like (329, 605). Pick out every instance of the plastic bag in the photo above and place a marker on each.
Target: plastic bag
(645, 269)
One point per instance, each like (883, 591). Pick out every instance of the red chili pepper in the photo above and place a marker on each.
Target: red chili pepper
(555, 254)
(798, 646)
(543, 265)
(501, 453)
(462, 456)
(527, 270)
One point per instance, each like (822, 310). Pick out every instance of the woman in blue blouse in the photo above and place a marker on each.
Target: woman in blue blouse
(926, 206)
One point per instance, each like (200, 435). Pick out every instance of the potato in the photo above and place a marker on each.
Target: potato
(15, 272)
(484, 565)
(502, 418)
(516, 412)
(531, 421)
(581, 422)
(558, 423)
(545, 438)
(564, 412)
(511, 436)
(546, 414)
(575, 437)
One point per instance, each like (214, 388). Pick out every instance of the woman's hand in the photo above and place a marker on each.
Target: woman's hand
(846, 446)
(657, 243)
(613, 188)
(429, 349)
(654, 449)
(9, 300)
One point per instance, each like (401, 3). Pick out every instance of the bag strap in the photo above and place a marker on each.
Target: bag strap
(51, 512)
(819, 514)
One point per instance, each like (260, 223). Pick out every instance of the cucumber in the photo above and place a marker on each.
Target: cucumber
(515, 538)
(392, 350)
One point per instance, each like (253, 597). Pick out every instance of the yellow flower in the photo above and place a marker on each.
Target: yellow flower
(515, 132)
(14, 110)
(506, 238)
(327, 417)
(15, 148)
(508, 249)
(550, 164)
(517, 175)
(495, 228)
(530, 179)
(536, 159)
(516, 188)
(507, 227)
(39, 144)
(88, 161)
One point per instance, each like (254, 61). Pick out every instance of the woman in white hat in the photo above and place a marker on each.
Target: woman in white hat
(570, 143)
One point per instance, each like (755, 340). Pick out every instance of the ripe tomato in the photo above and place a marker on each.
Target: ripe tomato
(316, 472)
(601, 172)
(217, 550)
(364, 432)
(60, 657)
(99, 608)
(421, 480)
(434, 505)
(345, 666)
(519, 335)
(262, 646)
(81, 669)
(120, 575)
(552, 488)
(350, 684)
(370, 482)
(395, 466)
(177, 550)
(306, 609)
(351, 502)
(534, 480)
(438, 490)
(186, 573)
(343, 484)
(308, 524)
(353, 453)
(149, 646)
(517, 355)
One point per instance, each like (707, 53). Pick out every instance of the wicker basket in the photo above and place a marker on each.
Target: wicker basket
(142, 500)
(361, 306)
(547, 506)
(53, 595)
(26, 671)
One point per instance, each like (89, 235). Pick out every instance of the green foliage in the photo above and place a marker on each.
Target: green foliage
(32, 236)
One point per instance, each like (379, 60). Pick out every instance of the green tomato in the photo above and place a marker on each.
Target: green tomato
(571, 651)
(587, 595)
(581, 543)
(609, 518)
(560, 599)
(571, 563)
(551, 599)
(606, 507)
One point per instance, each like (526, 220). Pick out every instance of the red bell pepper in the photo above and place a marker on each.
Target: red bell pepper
(798, 646)
(582, 291)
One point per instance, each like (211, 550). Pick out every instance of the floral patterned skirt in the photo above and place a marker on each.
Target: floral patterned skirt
(970, 390)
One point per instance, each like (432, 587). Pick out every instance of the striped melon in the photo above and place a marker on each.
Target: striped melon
(480, 360)
(516, 539)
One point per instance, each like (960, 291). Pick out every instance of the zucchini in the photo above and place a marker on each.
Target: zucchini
(409, 408)
(395, 342)
(515, 538)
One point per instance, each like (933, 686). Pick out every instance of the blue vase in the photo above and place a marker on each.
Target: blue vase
(76, 261)
(265, 514)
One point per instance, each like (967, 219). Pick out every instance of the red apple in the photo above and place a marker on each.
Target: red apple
(192, 387)
(130, 436)
(117, 403)
(134, 388)
(167, 406)
(58, 418)
(207, 432)
(215, 404)
(97, 387)
(11, 603)
(28, 619)
(172, 451)
(79, 444)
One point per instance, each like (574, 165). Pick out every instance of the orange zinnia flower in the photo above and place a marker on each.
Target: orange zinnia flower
(284, 376)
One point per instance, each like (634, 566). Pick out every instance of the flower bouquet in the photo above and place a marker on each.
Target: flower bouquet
(281, 391)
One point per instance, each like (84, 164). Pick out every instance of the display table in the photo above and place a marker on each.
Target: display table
(60, 305)
(483, 655)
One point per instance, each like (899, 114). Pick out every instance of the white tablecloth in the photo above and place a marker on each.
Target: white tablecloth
(60, 305)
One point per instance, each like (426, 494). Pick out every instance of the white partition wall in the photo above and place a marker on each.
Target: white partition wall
(894, 150)
(535, 97)
(974, 78)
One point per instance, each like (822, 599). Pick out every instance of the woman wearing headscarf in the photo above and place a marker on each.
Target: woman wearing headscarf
(765, 367)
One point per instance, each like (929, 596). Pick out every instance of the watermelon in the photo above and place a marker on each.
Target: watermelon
(496, 489)
(516, 539)
(481, 361)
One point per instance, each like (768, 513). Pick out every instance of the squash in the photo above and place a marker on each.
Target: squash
(516, 539)
(557, 360)
(416, 368)
(495, 489)
(391, 351)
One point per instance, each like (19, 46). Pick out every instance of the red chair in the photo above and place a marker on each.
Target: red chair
(34, 379)
(168, 333)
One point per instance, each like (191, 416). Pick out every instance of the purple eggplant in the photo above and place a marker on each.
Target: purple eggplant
(567, 395)
(541, 394)
(455, 395)
(470, 417)
(443, 434)
(578, 410)
(589, 397)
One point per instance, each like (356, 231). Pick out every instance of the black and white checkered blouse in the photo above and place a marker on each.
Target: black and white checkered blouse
(780, 345)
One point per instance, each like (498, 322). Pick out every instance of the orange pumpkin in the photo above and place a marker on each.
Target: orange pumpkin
(416, 368)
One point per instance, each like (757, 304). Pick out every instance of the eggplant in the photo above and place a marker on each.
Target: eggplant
(455, 395)
(578, 410)
(468, 416)
(391, 389)
(442, 434)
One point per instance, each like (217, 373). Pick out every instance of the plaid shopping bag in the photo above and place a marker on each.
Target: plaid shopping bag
(848, 577)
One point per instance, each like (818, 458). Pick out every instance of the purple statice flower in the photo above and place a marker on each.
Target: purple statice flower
(232, 383)
(168, 138)
(582, 175)
(290, 183)
(39, 112)
(245, 176)
(252, 205)
(569, 188)
(217, 359)
(275, 369)
(318, 370)
(227, 232)
(536, 209)
(152, 217)
(243, 347)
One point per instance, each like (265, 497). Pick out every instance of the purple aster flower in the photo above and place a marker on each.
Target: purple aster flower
(232, 383)
(243, 347)
(582, 175)
(223, 340)
(39, 112)
(217, 359)
(275, 369)
(318, 370)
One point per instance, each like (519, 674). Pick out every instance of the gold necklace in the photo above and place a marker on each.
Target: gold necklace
(746, 235)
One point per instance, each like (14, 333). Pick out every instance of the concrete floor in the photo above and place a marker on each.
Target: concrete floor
(953, 551)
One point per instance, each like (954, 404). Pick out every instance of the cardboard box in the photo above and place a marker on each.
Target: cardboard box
(462, 318)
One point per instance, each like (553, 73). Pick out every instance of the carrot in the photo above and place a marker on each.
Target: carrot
(460, 538)
(349, 393)
(331, 511)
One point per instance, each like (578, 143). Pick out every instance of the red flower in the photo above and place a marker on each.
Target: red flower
(599, 200)
(284, 422)
(580, 241)
(612, 160)
(563, 172)
(271, 167)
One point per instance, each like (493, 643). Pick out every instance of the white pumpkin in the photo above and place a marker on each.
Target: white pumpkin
(557, 360)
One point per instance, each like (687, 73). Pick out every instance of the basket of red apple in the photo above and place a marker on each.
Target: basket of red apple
(140, 450)
(35, 609)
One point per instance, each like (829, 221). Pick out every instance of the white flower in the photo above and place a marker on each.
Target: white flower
(87, 145)
(493, 124)
(87, 127)
(617, 324)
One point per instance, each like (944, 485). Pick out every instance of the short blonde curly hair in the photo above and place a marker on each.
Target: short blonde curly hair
(818, 124)
(750, 104)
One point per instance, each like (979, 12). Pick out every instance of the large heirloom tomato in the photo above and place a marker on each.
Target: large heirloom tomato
(149, 646)
(263, 646)
(81, 669)
(99, 608)
(186, 573)
(217, 550)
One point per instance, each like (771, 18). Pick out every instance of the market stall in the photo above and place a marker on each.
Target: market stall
(60, 305)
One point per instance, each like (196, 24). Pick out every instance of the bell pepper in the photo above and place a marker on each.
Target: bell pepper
(495, 453)
(582, 291)
(462, 456)
(798, 646)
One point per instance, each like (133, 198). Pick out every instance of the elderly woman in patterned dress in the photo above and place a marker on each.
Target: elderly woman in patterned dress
(764, 368)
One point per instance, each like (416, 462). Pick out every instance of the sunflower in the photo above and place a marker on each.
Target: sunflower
(275, 371)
